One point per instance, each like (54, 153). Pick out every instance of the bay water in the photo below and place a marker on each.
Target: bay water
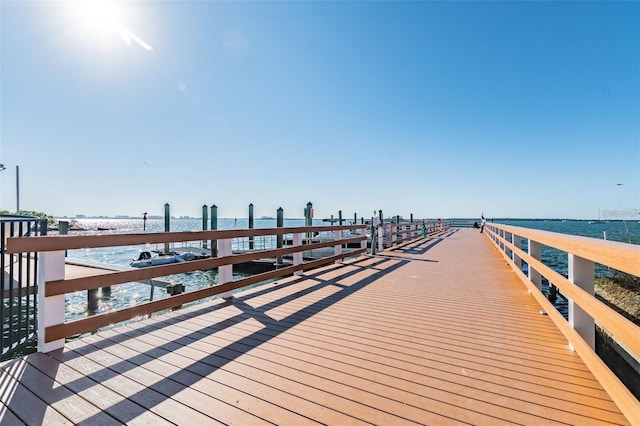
(135, 293)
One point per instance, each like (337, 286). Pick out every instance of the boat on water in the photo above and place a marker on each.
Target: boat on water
(146, 259)
(599, 220)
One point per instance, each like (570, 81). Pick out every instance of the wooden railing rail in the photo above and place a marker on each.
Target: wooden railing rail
(69, 242)
(403, 231)
(406, 231)
(52, 327)
(585, 310)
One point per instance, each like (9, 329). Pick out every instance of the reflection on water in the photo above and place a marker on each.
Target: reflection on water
(132, 294)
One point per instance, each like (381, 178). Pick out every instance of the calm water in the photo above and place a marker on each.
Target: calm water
(134, 293)
(621, 231)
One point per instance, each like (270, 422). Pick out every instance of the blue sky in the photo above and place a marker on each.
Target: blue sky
(440, 109)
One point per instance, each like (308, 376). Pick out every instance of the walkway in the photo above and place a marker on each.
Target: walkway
(437, 332)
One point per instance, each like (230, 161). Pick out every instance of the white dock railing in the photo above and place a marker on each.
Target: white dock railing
(52, 328)
(585, 311)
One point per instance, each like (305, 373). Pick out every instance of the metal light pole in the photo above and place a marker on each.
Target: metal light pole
(2, 167)
(17, 189)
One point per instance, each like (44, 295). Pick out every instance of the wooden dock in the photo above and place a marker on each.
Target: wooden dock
(434, 332)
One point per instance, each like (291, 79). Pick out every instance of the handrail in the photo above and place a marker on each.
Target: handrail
(71, 285)
(58, 286)
(69, 242)
(399, 232)
(620, 256)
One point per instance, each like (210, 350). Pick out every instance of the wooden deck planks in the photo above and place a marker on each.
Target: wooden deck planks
(348, 373)
(435, 332)
(95, 364)
(100, 396)
(388, 364)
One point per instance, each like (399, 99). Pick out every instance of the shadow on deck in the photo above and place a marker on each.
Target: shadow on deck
(434, 332)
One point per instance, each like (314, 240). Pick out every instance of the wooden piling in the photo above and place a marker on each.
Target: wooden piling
(214, 226)
(167, 226)
(92, 301)
(309, 214)
(279, 237)
(308, 217)
(63, 227)
(251, 225)
(205, 219)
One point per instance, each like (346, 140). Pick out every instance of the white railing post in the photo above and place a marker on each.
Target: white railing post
(363, 243)
(50, 309)
(581, 273)
(225, 272)
(394, 235)
(337, 235)
(508, 236)
(297, 256)
(381, 231)
(535, 251)
(516, 241)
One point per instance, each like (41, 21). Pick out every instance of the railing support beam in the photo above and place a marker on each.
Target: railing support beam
(225, 272)
(582, 273)
(535, 251)
(337, 236)
(50, 309)
(516, 241)
(297, 256)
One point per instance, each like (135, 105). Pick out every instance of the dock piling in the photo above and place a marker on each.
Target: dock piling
(92, 301)
(205, 219)
(214, 226)
(251, 225)
(308, 217)
(167, 227)
(279, 237)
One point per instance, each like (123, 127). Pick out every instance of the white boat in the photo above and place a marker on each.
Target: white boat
(146, 259)
(598, 221)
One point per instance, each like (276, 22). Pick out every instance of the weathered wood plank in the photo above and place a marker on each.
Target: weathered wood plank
(120, 408)
(73, 407)
(166, 379)
(18, 401)
(96, 364)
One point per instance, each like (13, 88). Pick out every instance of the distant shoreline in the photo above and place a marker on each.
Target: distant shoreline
(497, 219)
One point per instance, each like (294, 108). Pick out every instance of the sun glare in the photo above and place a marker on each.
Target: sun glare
(101, 20)
(99, 14)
